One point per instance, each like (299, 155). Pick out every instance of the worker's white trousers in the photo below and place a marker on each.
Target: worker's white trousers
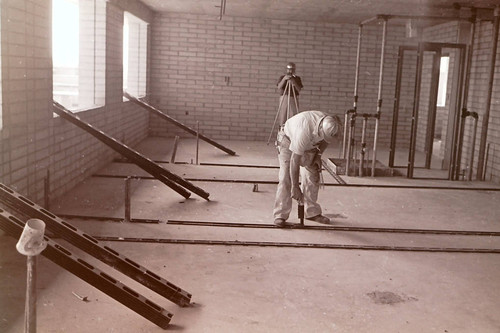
(310, 186)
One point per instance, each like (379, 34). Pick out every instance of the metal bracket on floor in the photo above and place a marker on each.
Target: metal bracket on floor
(90, 274)
(170, 179)
(93, 247)
(175, 122)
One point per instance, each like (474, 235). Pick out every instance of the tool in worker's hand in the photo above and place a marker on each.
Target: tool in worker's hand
(301, 212)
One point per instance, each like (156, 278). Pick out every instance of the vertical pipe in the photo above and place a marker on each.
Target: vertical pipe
(379, 102)
(486, 161)
(395, 112)
(30, 305)
(348, 142)
(289, 85)
(344, 142)
(416, 105)
(363, 148)
(197, 140)
(466, 92)
(473, 145)
(431, 117)
(453, 167)
(127, 199)
(486, 116)
(358, 61)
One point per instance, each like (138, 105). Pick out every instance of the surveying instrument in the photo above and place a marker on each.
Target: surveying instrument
(288, 92)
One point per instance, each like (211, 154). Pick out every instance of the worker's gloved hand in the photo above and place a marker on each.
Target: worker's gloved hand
(297, 194)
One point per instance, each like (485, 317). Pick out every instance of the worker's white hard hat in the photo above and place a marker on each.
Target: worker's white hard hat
(330, 126)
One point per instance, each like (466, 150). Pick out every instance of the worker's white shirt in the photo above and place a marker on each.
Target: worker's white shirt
(303, 131)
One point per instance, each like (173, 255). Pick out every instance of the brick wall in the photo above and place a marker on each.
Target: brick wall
(224, 73)
(32, 141)
(477, 101)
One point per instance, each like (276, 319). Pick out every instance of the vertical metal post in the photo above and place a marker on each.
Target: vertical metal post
(379, 102)
(197, 140)
(31, 243)
(395, 112)
(454, 166)
(348, 141)
(473, 145)
(363, 148)
(432, 110)
(466, 91)
(416, 105)
(30, 305)
(174, 149)
(344, 142)
(486, 116)
(127, 199)
(486, 160)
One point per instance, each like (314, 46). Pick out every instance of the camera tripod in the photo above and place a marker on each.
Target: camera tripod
(288, 92)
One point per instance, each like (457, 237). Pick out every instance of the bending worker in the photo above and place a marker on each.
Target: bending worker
(304, 138)
(289, 100)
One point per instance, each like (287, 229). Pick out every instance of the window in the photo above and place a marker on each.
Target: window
(1, 105)
(135, 43)
(78, 52)
(443, 81)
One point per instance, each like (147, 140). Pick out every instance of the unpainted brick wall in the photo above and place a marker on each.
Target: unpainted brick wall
(224, 73)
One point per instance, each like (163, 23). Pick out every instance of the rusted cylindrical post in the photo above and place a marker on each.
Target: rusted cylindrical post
(174, 149)
(31, 243)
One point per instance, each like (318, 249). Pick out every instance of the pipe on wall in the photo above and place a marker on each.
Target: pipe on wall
(486, 116)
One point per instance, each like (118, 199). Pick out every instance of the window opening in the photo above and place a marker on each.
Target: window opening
(78, 53)
(135, 38)
(443, 81)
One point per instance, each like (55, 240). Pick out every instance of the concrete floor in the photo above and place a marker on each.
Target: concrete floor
(273, 289)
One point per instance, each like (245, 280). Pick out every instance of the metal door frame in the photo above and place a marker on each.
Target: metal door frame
(421, 48)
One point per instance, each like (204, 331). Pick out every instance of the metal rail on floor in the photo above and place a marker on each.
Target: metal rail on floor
(273, 182)
(170, 179)
(90, 274)
(90, 245)
(295, 245)
(176, 123)
(338, 228)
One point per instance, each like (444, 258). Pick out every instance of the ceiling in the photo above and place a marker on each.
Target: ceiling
(335, 11)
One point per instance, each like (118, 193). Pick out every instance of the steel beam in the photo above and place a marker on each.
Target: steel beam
(93, 247)
(176, 123)
(90, 274)
(170, 179)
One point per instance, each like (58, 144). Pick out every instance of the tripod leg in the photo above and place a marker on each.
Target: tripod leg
(296, 102)
(288, 105)
(282, 99)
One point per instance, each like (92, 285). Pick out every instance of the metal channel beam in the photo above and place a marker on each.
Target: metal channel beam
(90, 274)
(297, 245)
(93, 247)
(177, 123)
(170, 179)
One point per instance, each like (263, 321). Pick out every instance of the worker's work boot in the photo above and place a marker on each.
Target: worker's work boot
(281, 223)
(320, 219)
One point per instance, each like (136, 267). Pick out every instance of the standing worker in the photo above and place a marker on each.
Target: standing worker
(289, 100)
(302, 141)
